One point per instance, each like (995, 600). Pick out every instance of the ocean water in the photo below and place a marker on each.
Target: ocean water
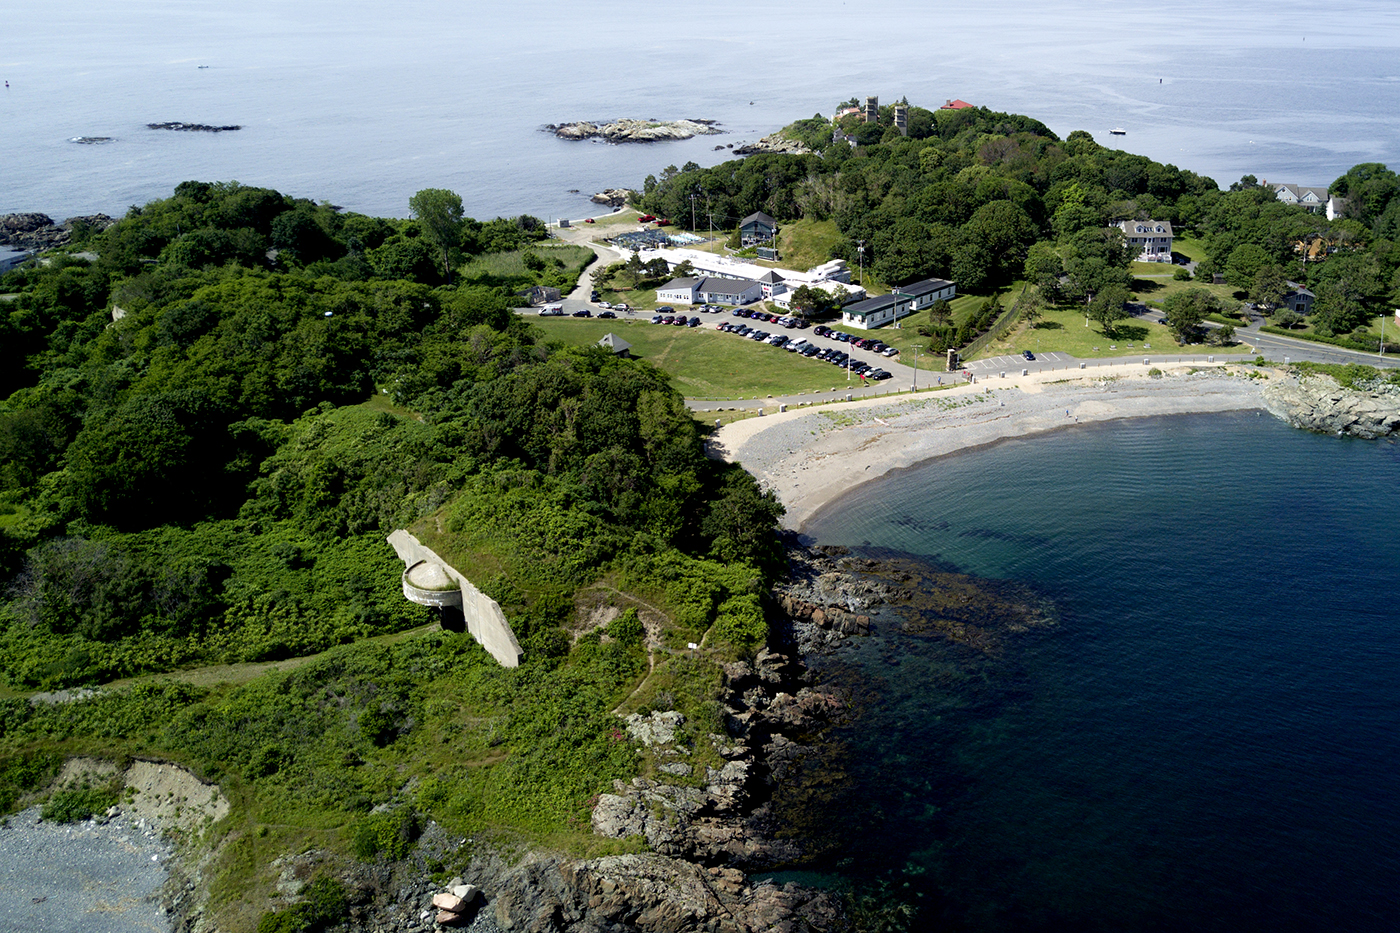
(1208, 736)
(362, 103)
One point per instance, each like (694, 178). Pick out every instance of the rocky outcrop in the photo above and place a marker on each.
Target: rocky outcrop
(613, 197)
(756, 773)
(635, 131)
(192, 127)
(774, 143)
(654, 894)
(1317, 403)
(33, 231)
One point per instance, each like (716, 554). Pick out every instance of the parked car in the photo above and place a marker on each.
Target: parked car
(889, 351)
(551, 311)
(607, 314)
(1028, 355)
(681, 320)
(621, 307)
(582, 312)
(605, 305)
(665, 309)
(694, 322)
(879, 374)
(656, 319)
(588, 220)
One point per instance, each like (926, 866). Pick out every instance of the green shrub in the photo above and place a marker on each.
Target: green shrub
(81, 800)
(326, 904)
(387, 834)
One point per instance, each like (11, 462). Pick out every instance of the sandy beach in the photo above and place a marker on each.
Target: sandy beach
(809, 457)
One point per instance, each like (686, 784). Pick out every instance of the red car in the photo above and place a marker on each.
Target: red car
(588, 220)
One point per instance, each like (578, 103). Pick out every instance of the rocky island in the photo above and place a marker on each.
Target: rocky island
(635, 131)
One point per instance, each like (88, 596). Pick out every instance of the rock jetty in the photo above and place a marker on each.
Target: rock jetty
(1318, 403)
(33, 231)
(635, 131)
(192, 127)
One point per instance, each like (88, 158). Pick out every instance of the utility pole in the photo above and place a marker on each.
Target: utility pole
(916, 367)
(692, 211)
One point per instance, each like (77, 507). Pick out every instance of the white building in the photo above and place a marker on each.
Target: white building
(1152, 238)
(1314, 199)
(876, 312)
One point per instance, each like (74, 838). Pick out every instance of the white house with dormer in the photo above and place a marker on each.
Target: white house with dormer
(1316, 200)
(1152, 238)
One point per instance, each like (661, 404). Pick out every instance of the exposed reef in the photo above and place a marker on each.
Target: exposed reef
(192, 127)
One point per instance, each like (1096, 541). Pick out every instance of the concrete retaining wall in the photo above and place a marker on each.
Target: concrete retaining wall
(485, 620)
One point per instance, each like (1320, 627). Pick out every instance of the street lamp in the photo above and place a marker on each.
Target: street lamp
(916, 367)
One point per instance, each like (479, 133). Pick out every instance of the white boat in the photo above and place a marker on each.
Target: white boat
(1118, 131)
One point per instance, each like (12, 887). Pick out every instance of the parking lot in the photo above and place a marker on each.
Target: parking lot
(1014, 364)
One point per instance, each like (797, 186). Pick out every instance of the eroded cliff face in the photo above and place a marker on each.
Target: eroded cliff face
(1317, 403)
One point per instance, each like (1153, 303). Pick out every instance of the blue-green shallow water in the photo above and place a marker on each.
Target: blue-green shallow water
(1208, 738)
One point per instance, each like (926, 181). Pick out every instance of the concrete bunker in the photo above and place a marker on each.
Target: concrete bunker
(431, 581)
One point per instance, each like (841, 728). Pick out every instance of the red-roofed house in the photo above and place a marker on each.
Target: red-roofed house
(956, 105)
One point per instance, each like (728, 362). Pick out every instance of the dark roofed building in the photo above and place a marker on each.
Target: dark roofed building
(876, 312)
(926, 292)
(756, 227)
(616, 344)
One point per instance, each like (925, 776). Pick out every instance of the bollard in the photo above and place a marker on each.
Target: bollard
(1025, 372)
(1285, 361)
(1082, 365)
(1146, 361)
(1210, 359)
(760, 413)
(1003, 374)
(848, 396)
(782, 408)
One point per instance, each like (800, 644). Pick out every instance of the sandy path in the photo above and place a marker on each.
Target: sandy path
(810, 457)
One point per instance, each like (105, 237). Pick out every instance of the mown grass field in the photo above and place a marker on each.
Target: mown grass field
(1155, 291)
(1063, 331)
(703, 362)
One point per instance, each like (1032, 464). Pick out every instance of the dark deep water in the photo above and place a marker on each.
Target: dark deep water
(1208, 735)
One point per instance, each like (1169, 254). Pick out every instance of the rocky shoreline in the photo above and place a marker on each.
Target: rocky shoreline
(33, 231)
(774, 143)
(635, 131)
(1318, 403)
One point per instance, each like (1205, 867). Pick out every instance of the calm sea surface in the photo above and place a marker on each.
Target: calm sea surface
(363, 103)
(1209, 736)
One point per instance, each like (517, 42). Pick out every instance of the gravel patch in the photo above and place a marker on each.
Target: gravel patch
(82, 877)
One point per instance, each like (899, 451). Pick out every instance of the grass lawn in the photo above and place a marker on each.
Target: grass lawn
(1064, 331)
(643, 299)
(623, 217)
(1190, 247)
(1155, 291)
(703, 362)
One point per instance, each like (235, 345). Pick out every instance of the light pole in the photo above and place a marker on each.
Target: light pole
(916, 367)
(861, 250)
(1397, 315)
(692, 212)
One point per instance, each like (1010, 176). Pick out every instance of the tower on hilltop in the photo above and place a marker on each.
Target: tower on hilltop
(872, 109)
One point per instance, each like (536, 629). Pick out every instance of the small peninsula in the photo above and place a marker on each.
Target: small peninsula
(636, 131)
(180, 127)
